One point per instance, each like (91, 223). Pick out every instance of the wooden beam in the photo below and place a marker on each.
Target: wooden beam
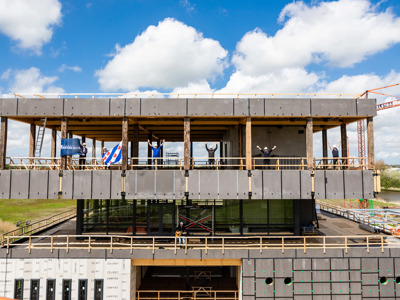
(370, 143)
(64, 134)
(186, 145)
(248, 144)
(125, 124)
(93, 149)
(32, 137)
(343, 138)
(309, 144)
(187, 262)
(324, 143)
(53, 143)
(3, 142)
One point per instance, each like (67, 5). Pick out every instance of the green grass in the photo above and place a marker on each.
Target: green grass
(15, 210)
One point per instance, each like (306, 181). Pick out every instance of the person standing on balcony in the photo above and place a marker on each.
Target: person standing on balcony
(266, 154)
(335, 152)
(156, 152)
(211, 153)
(82, 157)
(102, 156)
(180, 231)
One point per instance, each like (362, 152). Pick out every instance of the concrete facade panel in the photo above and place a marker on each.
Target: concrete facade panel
(321, 264)
(319, 184)
(305, 182)
(19, 184)
(283, 267)
(209, 185)
(353, 184)
(146, 184)
(210, 107)
(243, 184)
(8, 107)
(248, 267)
(116, 184)
(67, 184)
(368, 183)
(302, 264)
(321, 276)
(40, 107)
(366, 107)
(117, 107)
(241, 107)
(101, 185)
(130, 184)
(54, 184)
(264, 268)
(321, 288)
(290, 184)
(165, 183)
(355, 275)
(5, 184)
(388, 290)
(340, 275)
(355, 263)
(256, 107)
(194, 184)
(38, 184)
(248, 286)
(272, 184)
(228, 184)
(87, 107)
(369, 265)
(341, 288)
(132, 107)
(302, 276)
(283, 290)
(370, 292)
(386, 267)
(333, 107)
(302, 288)
(262, 289)
(163, 107)
(287, 107)
(334, 185)
(339, 263)
(180, 184)
(82, 184)
(257, 184)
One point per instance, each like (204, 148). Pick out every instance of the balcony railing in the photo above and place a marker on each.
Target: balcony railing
(200, 293)
(177, 163)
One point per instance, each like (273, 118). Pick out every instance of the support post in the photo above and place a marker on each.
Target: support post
(248, 144)
(32, 137)
(64, 134)
(343, 134)
(149, 137)
(186, 139)
(370, 143)
(94, 151)
(135, 143)
(325, 146)
(309, 144)
(53, 151)
(3, 142)
(240, 142)
(125, 123)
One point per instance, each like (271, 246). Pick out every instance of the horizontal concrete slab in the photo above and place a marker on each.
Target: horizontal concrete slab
(40, 107)
(8, 107)
(287, 107)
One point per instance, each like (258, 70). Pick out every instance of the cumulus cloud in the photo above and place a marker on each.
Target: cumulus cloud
(29, 22)
(341, 33)
(168, 55)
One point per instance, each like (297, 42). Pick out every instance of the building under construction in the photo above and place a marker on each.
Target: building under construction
(246, 216)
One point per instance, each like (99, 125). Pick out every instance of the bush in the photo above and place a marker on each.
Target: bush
(390, 179)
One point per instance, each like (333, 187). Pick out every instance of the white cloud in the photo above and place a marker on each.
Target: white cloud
(187, 5)
(29, 22)
(341, 33)
(201, 87)
(32, 81)
(64, 67)
(168, 55)
(6, 74)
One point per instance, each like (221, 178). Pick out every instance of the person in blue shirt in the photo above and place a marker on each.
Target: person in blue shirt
(156, 152)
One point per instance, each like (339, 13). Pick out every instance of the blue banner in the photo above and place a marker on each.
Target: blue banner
(70, 147)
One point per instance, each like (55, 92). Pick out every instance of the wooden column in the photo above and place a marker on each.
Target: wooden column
(94, 151)
(135, 143)
(32, 137)
(343, 138)
(53, 151)
(102, 147)
(309, 144)
(370, 143)
(248, 144)
(149, 137)
(3, 142)
(186, 143)
(125, 124)
(325, 146)
(64, 135)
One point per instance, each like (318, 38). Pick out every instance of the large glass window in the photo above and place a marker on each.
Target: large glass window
(19, 289)
(255, 216)
(281, 215)
(95, 216)
(51, 289)
(120, 218)
(35, 285)
(98, 289)
(227, 216)
(82, 289)
(66, 289)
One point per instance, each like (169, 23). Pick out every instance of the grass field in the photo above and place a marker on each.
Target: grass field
(353, 203)
(14, 210)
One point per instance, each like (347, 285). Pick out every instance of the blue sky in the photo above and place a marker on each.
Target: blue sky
(344, 46)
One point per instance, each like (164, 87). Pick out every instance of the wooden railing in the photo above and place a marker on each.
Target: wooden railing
(37, 226)
(202, 293)
(221, 243)
(235, 163)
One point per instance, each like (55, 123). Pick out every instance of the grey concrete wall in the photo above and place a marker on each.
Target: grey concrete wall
(203, 184)
(187, 107)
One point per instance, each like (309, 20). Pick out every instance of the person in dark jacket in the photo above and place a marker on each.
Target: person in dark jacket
(211, 153)
(335, 152)
(180, 231)
(266, 154)
(82, 157)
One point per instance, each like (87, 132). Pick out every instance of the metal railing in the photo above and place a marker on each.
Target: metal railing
(235, 163)
(37, 226)
(187, 95)
(379, 223)
(224, 243)
(201, 293)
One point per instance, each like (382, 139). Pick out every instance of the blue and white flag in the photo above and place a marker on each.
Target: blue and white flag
(114, 156)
